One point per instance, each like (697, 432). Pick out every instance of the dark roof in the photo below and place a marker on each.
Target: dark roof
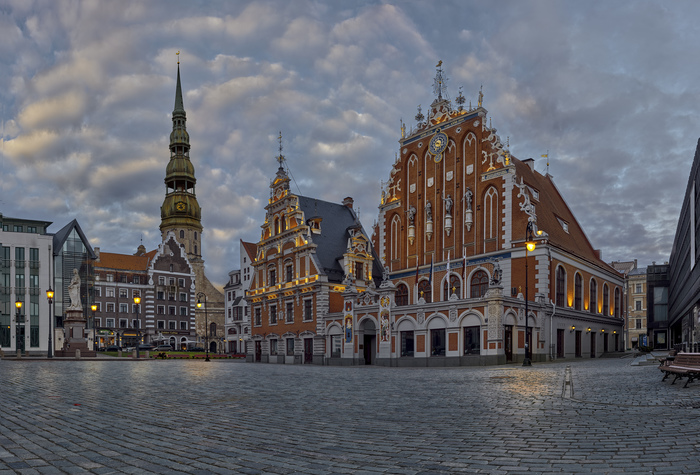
(333, 240)
(550, 209)
(60, 238)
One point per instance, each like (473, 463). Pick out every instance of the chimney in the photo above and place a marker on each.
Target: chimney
(530, 162)
(97, 253)
(348, 202)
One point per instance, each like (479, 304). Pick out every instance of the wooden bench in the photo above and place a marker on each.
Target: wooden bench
(683, 365)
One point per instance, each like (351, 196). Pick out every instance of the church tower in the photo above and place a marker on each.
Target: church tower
(181, 214)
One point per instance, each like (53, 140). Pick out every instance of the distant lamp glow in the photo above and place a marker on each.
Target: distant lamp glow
(588, 330)
(18, 304)
(573, 327)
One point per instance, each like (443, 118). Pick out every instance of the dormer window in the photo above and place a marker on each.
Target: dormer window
(564, 225)
(535, 193)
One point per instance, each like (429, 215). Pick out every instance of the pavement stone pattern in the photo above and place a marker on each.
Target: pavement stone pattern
(226, 417)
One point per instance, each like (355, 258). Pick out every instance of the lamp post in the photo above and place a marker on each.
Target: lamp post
(137, 301)
(49, 297)
(529, 246)
(18, 304)
(94, 310)
(206, 322)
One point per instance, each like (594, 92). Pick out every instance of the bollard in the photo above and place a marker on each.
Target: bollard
(77, 354)
(19, 353)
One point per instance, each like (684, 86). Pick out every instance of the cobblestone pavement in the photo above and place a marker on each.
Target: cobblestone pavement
(225, 417)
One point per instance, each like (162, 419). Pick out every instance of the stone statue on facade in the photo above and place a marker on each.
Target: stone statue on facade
(448, 205)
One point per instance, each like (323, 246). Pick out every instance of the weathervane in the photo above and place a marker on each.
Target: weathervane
(280, 158)
(440, 82)
(178, 57)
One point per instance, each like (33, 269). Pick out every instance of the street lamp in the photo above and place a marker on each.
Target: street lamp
(49, 296)
(18, 304)
(529, 246)
(206, 322)
(137, 301)
(94, 310)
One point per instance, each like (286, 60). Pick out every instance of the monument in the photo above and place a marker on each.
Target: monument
(75, 344)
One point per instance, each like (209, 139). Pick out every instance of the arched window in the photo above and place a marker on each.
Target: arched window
(617, 303)
(491, 214)
(424, 291)
(578, 291)
(593, 298)
(277, 225)
(606, 300)
(182, 234)
(479, 284)
(401, 296)
(451, 286)
(561, 286)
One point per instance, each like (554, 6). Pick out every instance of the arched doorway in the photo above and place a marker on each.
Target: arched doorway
(212, 347)
(369, 341)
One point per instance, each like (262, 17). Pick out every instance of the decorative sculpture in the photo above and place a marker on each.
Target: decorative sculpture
(74, 292)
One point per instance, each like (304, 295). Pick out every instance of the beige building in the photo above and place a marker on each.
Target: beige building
(637, 307)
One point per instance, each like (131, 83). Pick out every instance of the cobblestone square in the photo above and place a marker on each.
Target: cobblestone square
(226, 417)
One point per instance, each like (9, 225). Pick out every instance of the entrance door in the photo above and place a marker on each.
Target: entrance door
(560, 343)
(592, 344)
(508, 342)
(308, 350)
(369, 350)
(258, 351)
(212, 347)
(578, 344)
(605, 342)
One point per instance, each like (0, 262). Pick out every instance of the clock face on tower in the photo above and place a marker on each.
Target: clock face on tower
(437, 145)
(180, 205)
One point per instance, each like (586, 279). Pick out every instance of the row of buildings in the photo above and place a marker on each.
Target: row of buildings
(475, 258)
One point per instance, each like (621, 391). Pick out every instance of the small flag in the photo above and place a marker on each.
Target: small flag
(448, 264)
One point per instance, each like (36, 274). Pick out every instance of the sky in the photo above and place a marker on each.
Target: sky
(608, 89)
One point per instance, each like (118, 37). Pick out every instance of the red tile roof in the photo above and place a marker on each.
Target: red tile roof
(130, 262)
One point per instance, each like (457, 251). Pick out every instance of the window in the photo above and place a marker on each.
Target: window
(98, 291)
(161, 280)
(110, 323)
(110, 293)
(122, 323)
(639, 324)
(161, 309)
(606, 300)
(491, 218)
(171, 296)
(308, 310)
(171, 325)
(273, 314)
(110, 307)
(99, 306)
(137, 279)
(183, 297)
(560, 291)
(123, 293)
(593, 304)
(171, 310)
(171, 280)
(638, 305)
(135, 308)
(290, 346)
(359, 271)
(424, 291)
(451, 286)
(578, 291)
(258, 318)
(472, 340)
(617, 310)
(110, 277)
(290, 312)
(161, 324)
(273, 346)
(183, 325)
(289, 272)
(183, 311)
(181, 282)
(135, 324)
(437, 342)
(638, 288)
(401, 296)
(161, 295)
(182, 234)
(123, 308)
(273, 277)
(479, 284)
(407, 343)
(336, 342)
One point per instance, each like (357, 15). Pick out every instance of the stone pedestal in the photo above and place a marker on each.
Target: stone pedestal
(74, 329)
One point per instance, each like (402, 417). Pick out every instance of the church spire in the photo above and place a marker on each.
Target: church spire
(180, 211)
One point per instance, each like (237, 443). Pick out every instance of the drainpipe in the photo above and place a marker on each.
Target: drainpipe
(551, 329)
